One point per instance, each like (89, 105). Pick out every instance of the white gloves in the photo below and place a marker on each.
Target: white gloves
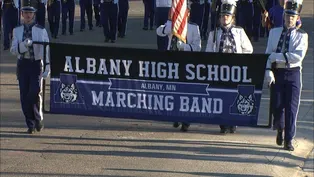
(23, 46)
(28, 42)
(167, 28)
(270, 78)
(47, 72)
(180, 45)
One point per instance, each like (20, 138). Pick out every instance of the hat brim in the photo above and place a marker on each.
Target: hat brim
(28, 9)
(291, 12)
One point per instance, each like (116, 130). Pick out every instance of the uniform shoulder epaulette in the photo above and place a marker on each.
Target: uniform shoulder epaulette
(301, 31)
(39, 26)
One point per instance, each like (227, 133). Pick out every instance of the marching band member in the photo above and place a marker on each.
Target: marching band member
(54, 8)
(86, 6)
(193, 44)
(30, 65)
(123, 17)
(149, 14)
(109, 16)
(10, 20)
(96, 4)
(68, 9)
(161, 17)
(287, 47)
(229, 39)
(41, 12)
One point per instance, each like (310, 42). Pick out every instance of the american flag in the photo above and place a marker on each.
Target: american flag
(179, 14)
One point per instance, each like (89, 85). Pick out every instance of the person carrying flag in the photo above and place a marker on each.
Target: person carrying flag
(176, 42)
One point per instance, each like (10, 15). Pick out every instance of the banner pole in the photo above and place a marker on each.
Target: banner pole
(44, 81)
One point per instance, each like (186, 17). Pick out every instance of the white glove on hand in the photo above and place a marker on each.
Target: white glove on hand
(167, 27)
(47, 72)
(28, 42)
(270, 78)
(180, 45)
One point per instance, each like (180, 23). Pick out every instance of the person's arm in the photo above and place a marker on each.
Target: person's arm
(246, 44)
(264, 18)
(164, 30)
(195, 43)
(17, 47)
(294, 56)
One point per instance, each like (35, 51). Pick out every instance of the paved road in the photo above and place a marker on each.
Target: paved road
(91, 146)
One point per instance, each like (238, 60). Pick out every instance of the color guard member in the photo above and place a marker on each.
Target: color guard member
(229, 39)
(30, 65)
(287, 47)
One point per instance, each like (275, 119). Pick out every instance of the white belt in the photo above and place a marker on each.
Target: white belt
(284, 65)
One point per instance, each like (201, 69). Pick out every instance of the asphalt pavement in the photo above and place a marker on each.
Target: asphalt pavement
(80, 146)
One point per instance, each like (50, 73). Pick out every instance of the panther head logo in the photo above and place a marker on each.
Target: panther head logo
(245, 105)
(68, 93)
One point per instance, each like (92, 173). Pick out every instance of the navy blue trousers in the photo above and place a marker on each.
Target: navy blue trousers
(109, 19)
(149, 13)
(123, 17)
(257, 22)
(68, 10)
(246, 17)
(86, 6)
(54, 17)
(161, 18)
(97, 11)
(204, 29)
(41, 14)
(285, 100)
(29, 77)
(197, 14)
(10, 19)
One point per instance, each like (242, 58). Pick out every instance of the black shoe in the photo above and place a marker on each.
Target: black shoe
(145, 28)
(31, 131)
(113, 41)
(90, 28)
(71, 33)
(107, 40)
(40, 126)
(81, 30)
(63, 33)
(279, 138)
(288, 146)
(184, 127)
(6, 48)
(233, 129)
(151, 28)
(176, 124)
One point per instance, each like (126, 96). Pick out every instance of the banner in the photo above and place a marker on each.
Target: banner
(200, 87)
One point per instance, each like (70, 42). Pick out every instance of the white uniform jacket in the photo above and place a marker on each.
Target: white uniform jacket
(16, 4)
(193, 36)
(298, 46)
(39, 34)
(163, 3)
(243, 44)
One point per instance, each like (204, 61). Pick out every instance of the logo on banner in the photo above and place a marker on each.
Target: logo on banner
(67, 91)
(245, 103)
